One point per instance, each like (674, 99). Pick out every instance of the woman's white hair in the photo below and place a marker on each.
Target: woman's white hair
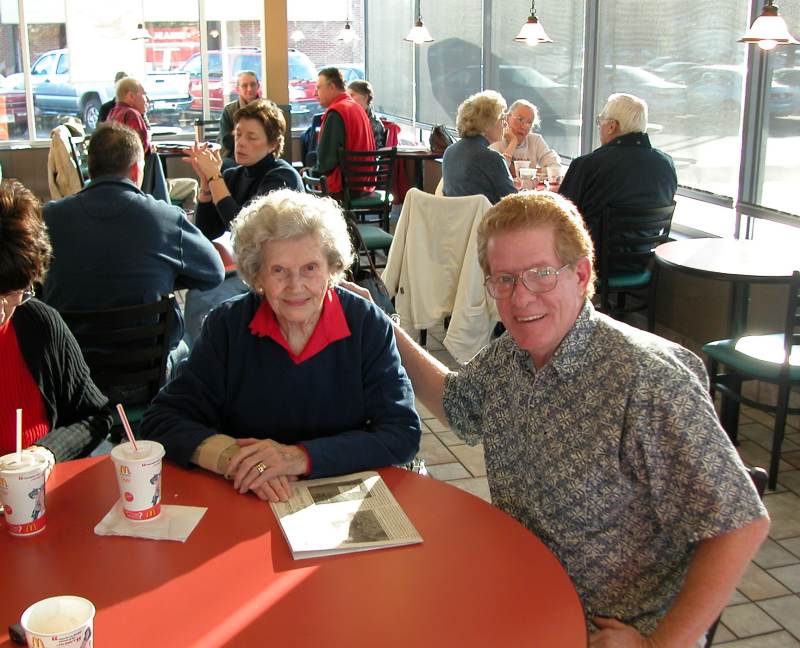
(479, 112)
(628, 111)
(287, 214)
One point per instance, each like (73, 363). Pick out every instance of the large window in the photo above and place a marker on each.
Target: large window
(547, 75)
(390, 60)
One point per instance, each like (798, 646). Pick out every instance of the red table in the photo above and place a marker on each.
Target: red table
(478, 579)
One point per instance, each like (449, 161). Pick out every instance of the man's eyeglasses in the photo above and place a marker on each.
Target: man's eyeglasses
(536, 280)
(15, 298)
(600, 119)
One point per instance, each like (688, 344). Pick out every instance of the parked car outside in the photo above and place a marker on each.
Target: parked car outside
(55, 95)
(225, 65)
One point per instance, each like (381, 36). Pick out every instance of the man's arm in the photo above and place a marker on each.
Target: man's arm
(714, 571)
(201, 265)
(226, 134)
(331, 139)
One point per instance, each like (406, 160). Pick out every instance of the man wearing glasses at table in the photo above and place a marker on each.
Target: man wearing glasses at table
(626, 171)
(598, 437)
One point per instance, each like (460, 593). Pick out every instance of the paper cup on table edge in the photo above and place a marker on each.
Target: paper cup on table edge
(22, 491)
(521, 164)
(59, 622)
(139, 479)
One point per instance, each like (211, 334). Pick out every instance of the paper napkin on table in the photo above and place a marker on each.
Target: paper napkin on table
(174, 523)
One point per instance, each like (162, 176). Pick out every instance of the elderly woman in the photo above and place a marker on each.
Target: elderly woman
(519, 143)
(298, 377)
(43, 371)
(258, 134)
(361, 92)
(469, 166)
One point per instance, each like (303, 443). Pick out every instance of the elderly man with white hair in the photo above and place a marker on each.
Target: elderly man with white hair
(626, 171)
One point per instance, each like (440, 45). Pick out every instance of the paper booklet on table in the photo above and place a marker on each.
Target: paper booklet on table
(343, 514)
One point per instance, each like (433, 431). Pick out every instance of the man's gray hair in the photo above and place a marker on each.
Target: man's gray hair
(125, 85)
(526, 104)
(287, 214)
(629, 111)
(251, 73)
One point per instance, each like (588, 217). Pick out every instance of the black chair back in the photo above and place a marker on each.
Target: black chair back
(78, 147)
(318, 186)
(628, 238)
(792, 330)
(126, 348)
(364, 175)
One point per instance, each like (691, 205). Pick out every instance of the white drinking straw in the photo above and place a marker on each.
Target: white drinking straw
(19, 435)
(126, 425)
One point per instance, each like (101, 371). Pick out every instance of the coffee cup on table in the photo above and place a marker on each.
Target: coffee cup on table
(59, 622)
(22, 492)
(554, 175)
(519, 165)
(527, 176)
(138, 473)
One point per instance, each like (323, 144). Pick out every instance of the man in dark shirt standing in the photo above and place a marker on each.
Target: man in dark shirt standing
(249, 89)
(345, 125)
(626, 171)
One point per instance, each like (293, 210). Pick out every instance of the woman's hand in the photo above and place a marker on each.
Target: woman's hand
(358, 290)
(275, 459)
(205, 162)
(615, 634)
(509, 138)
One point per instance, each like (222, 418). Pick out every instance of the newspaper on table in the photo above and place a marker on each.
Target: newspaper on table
(343, 514)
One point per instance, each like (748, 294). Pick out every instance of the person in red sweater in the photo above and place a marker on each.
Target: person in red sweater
(345, 125)
(42, 370)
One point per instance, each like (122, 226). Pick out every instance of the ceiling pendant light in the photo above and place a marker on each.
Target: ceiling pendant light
(297, 35)
(141, 33)
(769, 29)
(419, 32)
(532, 32)
(346, 35)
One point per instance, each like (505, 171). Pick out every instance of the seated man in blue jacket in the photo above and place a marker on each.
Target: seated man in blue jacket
(114, 245)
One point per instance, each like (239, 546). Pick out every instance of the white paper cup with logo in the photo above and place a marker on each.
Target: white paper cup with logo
(527, 177)
(59, 622)
(519, 165)
(139, 478)
(22, 491)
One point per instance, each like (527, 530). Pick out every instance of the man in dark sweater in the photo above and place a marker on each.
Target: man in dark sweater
(114, 245)
(249, 89)
(626, 171)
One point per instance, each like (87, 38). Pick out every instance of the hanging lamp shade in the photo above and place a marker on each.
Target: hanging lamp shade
(346, 35)
(532, 33)
(297, 35)
(141, 33)
(769, 29)
(419, 33)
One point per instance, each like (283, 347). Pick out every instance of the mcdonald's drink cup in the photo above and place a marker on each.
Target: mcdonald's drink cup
(22, 493)
(139, 478)
(59, 622)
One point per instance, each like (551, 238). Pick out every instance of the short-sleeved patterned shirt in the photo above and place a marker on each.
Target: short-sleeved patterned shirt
(612, 454)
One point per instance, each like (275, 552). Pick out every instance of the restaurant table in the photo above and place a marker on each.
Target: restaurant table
(418, 155)
(740, 262)
(479, 578)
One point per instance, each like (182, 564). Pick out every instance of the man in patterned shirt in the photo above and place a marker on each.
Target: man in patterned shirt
(598, 437)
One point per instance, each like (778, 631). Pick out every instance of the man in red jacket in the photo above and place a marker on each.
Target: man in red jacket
(344, 125)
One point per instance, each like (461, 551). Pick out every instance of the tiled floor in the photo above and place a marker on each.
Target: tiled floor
(764, 612)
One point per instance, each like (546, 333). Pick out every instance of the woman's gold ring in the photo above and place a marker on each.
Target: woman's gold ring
(260, 467)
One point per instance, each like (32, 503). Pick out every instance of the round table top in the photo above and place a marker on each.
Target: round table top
(730, 259)
(479, 578)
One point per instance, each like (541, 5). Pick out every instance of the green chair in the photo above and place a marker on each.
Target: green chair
(628, 238)
(367, 186)
(773, 359)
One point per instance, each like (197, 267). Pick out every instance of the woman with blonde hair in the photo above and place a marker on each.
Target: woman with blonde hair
(469, 166)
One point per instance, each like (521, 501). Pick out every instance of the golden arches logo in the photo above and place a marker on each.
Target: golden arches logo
(37, 642)
(3, 483)
(125, 471)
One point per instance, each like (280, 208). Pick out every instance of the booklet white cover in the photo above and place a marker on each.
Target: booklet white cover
(343, 514)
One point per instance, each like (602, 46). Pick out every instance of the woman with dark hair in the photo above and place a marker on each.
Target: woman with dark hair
(258, 134)
(362, 94)
(42, 370)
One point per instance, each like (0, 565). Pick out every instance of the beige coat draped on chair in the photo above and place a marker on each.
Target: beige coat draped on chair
(62, 174)
(432, 270)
